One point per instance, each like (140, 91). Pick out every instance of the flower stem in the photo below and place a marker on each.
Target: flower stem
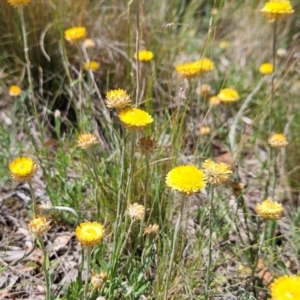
(208, 271)
(86, 285)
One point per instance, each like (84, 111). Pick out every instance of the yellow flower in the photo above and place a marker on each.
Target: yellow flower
(14, 91)
(86, 140)
(22, 169)
(146, 146)
(194, 69)
(228, 95)
(75, 34)
(151, 229)
(216, 173)
(269, 209)
(286, 288)
(266, 68)
(97, 280)
(38, 226)
(18, 3)
(214, 101)
(135, 118)
(186, 179)
(277, 140)
(144, 55)
(204, 130)
(136, 211)
(277, 9)
(89, 234)
(92, 65)
(118, 99)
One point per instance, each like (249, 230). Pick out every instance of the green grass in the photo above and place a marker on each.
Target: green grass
(98, 184)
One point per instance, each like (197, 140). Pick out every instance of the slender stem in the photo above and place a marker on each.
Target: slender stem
(45, 268)
(137, 45)
(273, 75)
(33, 199)
(208, 271)
(175, 236)
(86, 285)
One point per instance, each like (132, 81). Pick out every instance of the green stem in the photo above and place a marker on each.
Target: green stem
(137, 45)
(86, 285)
(45, 268)
(208, 271)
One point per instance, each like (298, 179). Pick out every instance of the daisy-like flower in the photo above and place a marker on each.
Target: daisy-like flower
(22, 169)
(266, 68)
(97, 279)
(92, 65)
(214, 101)
(75, 34)
(89, 234)
(135, 118)
(194, 69)
(14, 91)
(144, 55)
(117, 99)
(136, 211)
(286, 288)
(216, 173)
(151, 229)
(86, 140)
(186, 179)
(38, 226)
(277, 140)
(146, 146)
(269, 209)
(277, 9)
(18, 3)
(228, 95)
(204, 130)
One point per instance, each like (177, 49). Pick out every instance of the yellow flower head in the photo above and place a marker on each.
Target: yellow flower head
(146, 146)
(186, 179)
(194, 69)
(216, 173)
(92, 65)
(89, 234)
(144, 55)
(22, 169)
(117, 99)
(214, 101)
(228, 95)
(286, 288)
(135, 118)
(269, 209)
(86, 140)
(97, 280)
(75, 34)
(14, 91)
(266, 68)
(204, 130)
(136, 211)
(277, 140)
(151, 229)
(18, 3)
(38, 226)
(277, 9)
